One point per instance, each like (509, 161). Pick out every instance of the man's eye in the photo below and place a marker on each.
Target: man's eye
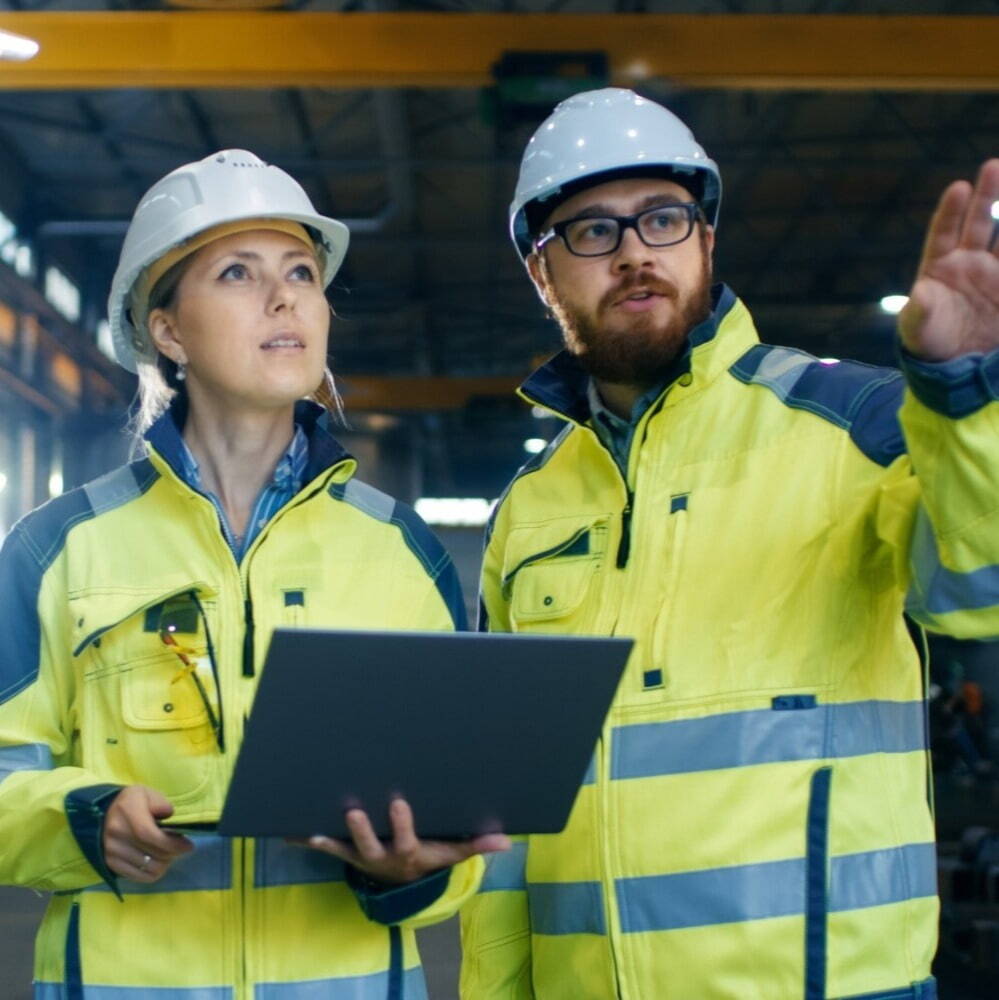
(666, 219)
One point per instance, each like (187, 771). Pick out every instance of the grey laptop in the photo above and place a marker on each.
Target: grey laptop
(478, 732)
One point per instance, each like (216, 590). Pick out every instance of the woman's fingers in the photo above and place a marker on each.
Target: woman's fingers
(406, 857)
(134, 846)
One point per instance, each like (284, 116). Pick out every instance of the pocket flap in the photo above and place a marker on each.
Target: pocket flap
(100, 609)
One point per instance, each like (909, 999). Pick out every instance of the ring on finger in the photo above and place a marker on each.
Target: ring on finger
(146, 859)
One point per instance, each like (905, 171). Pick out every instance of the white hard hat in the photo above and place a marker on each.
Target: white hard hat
(607, 132)
(226, 187)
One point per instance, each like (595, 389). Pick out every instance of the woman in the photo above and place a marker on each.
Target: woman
(138, 608)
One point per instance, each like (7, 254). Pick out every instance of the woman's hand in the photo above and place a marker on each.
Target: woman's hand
(134, 845)
(406, 858)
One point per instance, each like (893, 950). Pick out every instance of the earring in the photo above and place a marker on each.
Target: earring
(181, 371)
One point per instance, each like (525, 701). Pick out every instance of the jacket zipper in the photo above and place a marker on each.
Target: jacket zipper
(624, 546)
(248, 633)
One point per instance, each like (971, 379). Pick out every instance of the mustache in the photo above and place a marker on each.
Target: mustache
(636, 282)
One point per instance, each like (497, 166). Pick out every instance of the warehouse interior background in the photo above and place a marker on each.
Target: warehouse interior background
(836, 125)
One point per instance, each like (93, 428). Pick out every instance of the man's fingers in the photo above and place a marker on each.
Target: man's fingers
(944, 233)
(979, 224)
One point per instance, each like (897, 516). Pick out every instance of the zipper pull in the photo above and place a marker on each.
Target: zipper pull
(248, 638)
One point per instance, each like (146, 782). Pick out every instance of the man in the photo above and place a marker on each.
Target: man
(755, 823)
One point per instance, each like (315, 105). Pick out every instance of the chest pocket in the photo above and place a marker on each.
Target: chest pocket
(550, 587)
(149, 708)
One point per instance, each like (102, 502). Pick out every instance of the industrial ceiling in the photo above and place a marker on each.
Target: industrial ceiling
(835, 129)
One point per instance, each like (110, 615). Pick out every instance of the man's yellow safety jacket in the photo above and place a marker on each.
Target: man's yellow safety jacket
(755, 823)
(92, 698)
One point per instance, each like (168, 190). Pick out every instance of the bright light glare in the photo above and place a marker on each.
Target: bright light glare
(3, 481)
(454, 511)
(55, 484)
(533, 445)
(894, 304)
(17, 48)
(995, 210)
(540, 413)
(829, 361)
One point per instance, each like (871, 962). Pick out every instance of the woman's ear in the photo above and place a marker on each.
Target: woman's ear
(162, 332)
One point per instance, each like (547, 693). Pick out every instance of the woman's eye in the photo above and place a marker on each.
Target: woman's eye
(303, 272)
(235, 272)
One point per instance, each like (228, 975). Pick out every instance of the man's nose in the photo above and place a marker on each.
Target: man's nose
(632, 252)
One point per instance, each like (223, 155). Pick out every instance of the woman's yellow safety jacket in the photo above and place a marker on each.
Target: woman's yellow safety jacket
(755, 823)
(92, 698)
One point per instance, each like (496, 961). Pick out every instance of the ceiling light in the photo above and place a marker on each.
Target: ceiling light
(55, 484)
(454, 511)
(17, 48)
(533, 445)
(894, 304)
(3, 481)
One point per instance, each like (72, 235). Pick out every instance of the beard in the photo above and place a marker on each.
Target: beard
(637, 349)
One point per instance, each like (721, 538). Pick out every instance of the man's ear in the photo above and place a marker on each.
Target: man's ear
(536, 269)
(162, 332)
(709, 240)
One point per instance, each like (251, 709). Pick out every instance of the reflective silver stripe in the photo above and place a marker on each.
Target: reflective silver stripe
(781, 369)
(278, 863)
(207, 868)
(766, 736)
(873, 878)
(112, 490)
(373, 987)
(25, 757)
(936, 590)
(566, 907)
(57, 991)
(505, 871)
(379, 505)
(773, 889)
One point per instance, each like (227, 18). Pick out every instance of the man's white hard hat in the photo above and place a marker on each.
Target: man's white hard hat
(599, 134)
(226, 187)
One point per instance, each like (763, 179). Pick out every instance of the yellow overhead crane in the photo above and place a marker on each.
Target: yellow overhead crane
(83, 50)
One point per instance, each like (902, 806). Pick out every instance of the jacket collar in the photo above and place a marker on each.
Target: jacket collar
(561, 383)
(164, 438)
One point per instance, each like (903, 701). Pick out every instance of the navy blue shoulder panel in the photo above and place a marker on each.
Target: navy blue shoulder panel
(862, 399)
(29, 550)
(422, 542)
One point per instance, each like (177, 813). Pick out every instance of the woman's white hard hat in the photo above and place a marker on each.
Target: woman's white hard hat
(607, 132)
(226, 187)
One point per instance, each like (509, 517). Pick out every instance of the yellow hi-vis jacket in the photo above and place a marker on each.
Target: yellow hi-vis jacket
(755, 823)
(91, 698)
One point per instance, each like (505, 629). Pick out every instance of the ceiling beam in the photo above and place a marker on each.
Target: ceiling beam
(426, 393)
(83, 50)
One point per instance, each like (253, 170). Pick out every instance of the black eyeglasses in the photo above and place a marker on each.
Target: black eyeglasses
(589, 236)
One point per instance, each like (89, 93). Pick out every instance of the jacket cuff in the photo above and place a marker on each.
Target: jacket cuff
(86, 810)
(392, 904)
(955, 388)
